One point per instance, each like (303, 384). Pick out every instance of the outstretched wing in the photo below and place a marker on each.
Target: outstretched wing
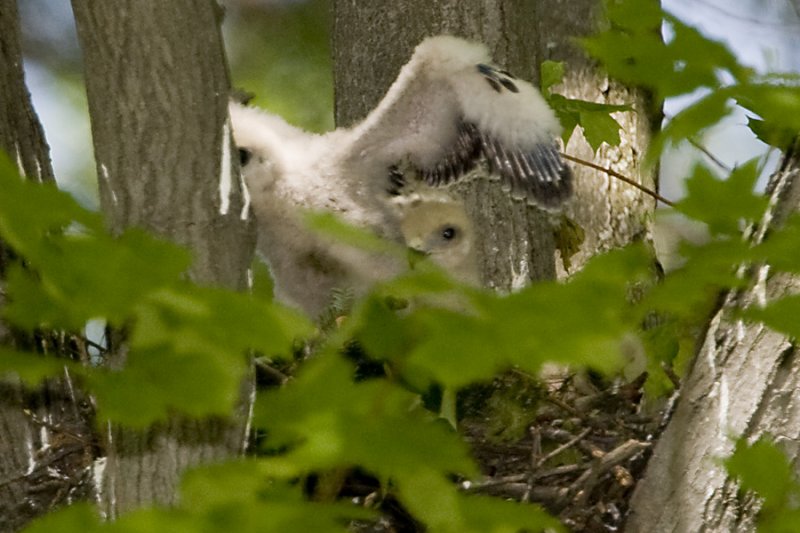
(449, 107)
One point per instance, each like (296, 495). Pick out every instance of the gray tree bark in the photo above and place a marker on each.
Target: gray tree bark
(45, 432)
(516, 243)
(21, 134)
(744, 382)
(157, 85)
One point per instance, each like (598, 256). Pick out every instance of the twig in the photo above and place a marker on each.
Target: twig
(271, 371)
(558, 402)
(570, 443)
(717, 161)
(620, 177)
(57, 429)
(582, 486)
(44, 463)
(673, 377)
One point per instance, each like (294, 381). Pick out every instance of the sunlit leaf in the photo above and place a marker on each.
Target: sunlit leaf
(765, 469)
(330, 421)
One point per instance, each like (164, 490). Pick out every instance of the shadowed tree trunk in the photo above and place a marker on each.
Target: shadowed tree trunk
(515, 242)
(157, 85)
(21, 134)
(744, 382)
(45, 432)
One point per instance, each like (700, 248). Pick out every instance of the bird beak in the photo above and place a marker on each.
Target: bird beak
(415, 256)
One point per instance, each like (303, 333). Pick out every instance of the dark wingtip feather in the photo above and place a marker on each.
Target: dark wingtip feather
(537, 175)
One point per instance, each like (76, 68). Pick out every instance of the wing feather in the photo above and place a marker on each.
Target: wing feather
(448, 108)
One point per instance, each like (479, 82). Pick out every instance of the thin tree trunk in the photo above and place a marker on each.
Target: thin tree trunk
(744, 382)
(45, 433)
(516, 243)
(157, 85)
(21, 134)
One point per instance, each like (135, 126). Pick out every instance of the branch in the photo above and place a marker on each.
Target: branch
(615, 174)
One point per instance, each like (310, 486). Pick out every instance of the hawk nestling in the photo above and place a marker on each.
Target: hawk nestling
(448, 108)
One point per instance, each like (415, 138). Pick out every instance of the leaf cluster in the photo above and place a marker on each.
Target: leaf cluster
(182, 352)
(763, 468)
(684, 62)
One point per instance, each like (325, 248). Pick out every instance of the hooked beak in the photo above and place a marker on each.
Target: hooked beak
(415, 255)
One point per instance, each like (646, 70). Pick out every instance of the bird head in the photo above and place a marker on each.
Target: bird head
(259, 136)
(442, 231)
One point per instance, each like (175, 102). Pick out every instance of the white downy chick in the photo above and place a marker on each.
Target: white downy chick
(441, 230)
(447, 109)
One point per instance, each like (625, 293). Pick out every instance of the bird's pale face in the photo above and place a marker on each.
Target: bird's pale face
(442, 231)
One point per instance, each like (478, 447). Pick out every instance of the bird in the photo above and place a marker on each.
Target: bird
(438, 227)
(449, 109)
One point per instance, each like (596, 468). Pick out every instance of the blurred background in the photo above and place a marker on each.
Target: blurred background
(280, 51)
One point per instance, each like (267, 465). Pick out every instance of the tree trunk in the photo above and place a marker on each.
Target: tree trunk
(516, 243)
(157, 85)
(44, 433)
(21, 134)
(744, 382)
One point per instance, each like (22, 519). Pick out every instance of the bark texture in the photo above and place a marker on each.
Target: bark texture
(45, 433)
(21, 134)
(744, 382)
(157, 85)
(516, 243)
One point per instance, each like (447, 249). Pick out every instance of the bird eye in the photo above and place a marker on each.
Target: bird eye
(448, 233)
(244, 156)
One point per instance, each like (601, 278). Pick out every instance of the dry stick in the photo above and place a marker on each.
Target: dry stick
(714, 159)
(542, 460)
(620, 177)
(582, 486)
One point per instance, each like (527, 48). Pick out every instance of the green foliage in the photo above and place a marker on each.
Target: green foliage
(236, 496)
(182, 355)
(598, 125)
(189, 346)
(632, 50)
(763, 468)
(742, 205)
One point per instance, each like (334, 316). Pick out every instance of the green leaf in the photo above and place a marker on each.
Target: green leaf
(691, 291)
(328, 225)
(780, 315)
(633, 51)
(779, 137)
(76, 278)
(32, 368)
(765, 469)
(32, 212)
(736, 197)
(598, 124)
(777, 105)
(241, 496)
(691, 122)
(599, 128)
(441, 507)
(551, 73)
(780, 247)
(456, 345)
(330, 421)
(486, 514)
(183, 355)
(76, 518)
